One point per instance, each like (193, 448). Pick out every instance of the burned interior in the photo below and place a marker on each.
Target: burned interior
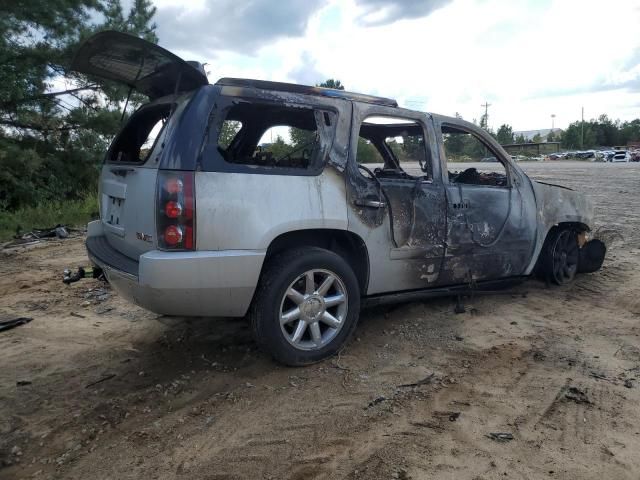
(398, 146)
(463, 146)
(273, 135)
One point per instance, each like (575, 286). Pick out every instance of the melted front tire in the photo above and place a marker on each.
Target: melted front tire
(560, 256)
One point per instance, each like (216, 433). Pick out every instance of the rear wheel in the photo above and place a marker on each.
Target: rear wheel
(306, 306)
(560, 256)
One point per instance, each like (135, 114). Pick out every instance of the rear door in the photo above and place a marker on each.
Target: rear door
(129, 174)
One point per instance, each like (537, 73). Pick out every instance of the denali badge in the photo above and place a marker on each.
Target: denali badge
(144, 237)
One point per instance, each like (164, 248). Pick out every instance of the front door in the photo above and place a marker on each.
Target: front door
(397, 198)
(490, 215)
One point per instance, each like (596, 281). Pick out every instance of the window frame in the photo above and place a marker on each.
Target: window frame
(214, 160)
(144, 110)
(479, 137)
(411, 118)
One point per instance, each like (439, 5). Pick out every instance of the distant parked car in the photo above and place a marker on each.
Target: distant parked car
(635, 156)
(620, 156)
(489, 159)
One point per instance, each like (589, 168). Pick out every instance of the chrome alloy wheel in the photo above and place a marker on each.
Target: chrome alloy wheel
(313, 309)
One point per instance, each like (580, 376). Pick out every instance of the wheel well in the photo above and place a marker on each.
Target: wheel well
(577, 226)
(346, 244)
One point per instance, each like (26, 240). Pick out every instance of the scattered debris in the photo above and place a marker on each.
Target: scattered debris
(83, 272)
(578, 396)
(13, 322)
(432, 425)
(102, 310)
(37, 235)
(500, 437)
(376, 401)
(400, 475)
(424, 381)
(103, 379)
(629, 382)
(23, 383)
(74, 314)
(452, 416)
(599, 376)
(607, 451)
(538, 356)
(61, 232)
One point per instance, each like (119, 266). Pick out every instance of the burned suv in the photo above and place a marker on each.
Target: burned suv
(300, 205)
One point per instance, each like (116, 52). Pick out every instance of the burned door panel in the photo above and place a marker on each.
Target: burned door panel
(491, 228)
(400, 216)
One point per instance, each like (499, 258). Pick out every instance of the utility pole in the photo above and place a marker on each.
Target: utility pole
(553, 117)
(582, 131)
(486, 106)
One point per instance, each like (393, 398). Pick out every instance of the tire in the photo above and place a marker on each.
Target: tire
(307, 335)
(559, 259)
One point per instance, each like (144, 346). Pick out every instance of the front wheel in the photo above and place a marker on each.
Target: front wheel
(560, 256)
(306, 306)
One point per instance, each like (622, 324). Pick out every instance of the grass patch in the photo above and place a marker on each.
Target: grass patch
(44, 215)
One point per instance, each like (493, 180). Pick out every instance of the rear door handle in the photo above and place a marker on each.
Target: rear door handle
(370, 203)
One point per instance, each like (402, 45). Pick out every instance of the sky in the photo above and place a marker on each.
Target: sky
(529, 59)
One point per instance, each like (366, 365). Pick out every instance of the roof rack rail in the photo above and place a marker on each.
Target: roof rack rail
(306, 90)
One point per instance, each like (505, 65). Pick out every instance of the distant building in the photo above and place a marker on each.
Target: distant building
(543, 132)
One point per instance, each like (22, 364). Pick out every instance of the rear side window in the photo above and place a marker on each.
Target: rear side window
(275, 136)
(137, 139)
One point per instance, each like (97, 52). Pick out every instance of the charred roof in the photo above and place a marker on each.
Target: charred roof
(306, 90)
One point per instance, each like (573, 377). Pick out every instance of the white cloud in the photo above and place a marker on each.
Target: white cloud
(529, 59)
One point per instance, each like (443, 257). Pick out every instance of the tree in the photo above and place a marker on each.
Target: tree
(537, 138)
(551, 136)
(505, 134)
(301, 138)
(52, 138)
(279, 148)
(228, 132)
(331, 83)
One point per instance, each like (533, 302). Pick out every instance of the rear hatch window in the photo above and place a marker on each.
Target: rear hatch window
(140, 135)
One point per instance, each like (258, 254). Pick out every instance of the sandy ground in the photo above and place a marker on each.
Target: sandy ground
(557, 368)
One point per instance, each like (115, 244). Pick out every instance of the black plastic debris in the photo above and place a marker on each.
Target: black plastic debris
(376, 401)
(500, 437)
(576, 395)
(424, 381)
(13, 322)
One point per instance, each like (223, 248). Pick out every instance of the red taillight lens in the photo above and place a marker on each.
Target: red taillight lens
(175, 220)
(173, 209)
(173, 235)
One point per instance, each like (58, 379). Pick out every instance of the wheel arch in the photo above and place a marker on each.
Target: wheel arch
(350, 246)
(577, 226)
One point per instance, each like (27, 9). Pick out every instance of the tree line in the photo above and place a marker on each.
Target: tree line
(598, 132)
(55, 125)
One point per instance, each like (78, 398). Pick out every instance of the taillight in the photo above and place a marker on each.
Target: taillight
(175, 221)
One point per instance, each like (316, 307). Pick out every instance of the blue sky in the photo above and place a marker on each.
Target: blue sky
(528, 59)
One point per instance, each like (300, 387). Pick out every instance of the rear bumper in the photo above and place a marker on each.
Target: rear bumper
(211, 283)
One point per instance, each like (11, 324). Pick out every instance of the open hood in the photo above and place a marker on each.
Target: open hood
(137, 63)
